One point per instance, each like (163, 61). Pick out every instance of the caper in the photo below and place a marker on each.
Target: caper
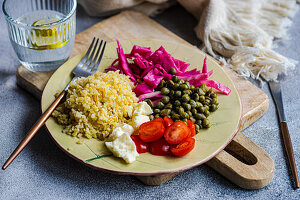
(165, 99)
(184, 120)
(213, 107)
(198, 104)
(194, 111)
(197, 128)
(180, 81)
(156, 116)
(169, 106)
(165, 91)
(200, 116)
(202, 98)
(184, 115)
(172, 71)
(180, 110)
(183, 87)
(156, 110)
(149, 102)
(195, 96)
(160, 105)
(186, 92)
(170, 83)
(175, 116)
(199, 91)
(172, 112)
(165, 112)
(192, 119)
(172, 93)
(187, 106)
(178, 93)
(177, 103)
(189, 113)
(175, 79)
(193, 103)
(206, 107)
(186, 98)
(203, 87)
(206, 113)
(192, 87)
(151, 117)
(161, 84)
(201, 109)
(206, 123)
(213, 95)
(199, 122)
(214, 101)
(206, 102)
(188, 84)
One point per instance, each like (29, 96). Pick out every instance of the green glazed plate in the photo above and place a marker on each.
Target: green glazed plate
(225, 121)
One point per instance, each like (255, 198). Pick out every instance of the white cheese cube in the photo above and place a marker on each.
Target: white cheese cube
(120, 130)
(138, 120)
(123, 147)
(142, 108)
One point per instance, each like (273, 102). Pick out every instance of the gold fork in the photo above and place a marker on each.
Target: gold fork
(86, 67)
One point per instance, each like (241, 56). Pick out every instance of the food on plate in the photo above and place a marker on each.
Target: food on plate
(95, 105)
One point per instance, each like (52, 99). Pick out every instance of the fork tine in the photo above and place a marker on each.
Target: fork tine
(96, 56)
(87, 54)
(93, 54)
(97, 63)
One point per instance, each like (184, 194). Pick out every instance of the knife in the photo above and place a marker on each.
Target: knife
(277, 97)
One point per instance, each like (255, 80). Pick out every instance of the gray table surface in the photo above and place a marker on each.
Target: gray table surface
(43, 171)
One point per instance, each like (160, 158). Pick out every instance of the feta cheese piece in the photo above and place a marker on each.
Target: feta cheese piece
(142, 108)
(139, 120)
(123, 147)
(120, 130)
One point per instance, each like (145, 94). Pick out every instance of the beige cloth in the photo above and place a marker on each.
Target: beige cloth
(240, 33)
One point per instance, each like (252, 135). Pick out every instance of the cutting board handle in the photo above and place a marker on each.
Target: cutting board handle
(244, 163)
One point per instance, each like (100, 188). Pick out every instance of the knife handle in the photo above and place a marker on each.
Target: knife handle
(289, 150)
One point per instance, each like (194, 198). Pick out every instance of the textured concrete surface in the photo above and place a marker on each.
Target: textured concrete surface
(42, 171)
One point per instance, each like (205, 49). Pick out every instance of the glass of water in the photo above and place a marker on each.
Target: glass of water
(42, 32)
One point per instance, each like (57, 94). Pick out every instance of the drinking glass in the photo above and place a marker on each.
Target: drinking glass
(42, 32)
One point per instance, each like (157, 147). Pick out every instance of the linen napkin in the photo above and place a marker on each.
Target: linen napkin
(239, 33)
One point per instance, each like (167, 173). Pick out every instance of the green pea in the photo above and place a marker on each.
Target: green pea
(193, 103)
(180, 81)
(178, 93)
(183, 87)
(200, 116)
(194, 111)
(213, 107)
(156, 111)
(169, 106)
(206, 113)
(177, 103)
(161, 84)
(160, 105)
(165, 99)
(203, 87)
(187, 106)
(202, 98)
(195, 96)
(156, 116)
(206, 123)
(193, 119)
(151, 117)
(149, 102)
(186, 98)
(175, 79)
(165, 91)
(175, 116)
(172, 71)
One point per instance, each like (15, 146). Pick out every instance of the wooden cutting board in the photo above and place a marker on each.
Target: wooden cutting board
(242, 162)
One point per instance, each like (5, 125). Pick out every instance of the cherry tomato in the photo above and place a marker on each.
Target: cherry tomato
(184, 147)
(151, 131)
(158, 119)
(160, 147)
(177, 132)
(192, 128)
(141, 147)
(168, 121)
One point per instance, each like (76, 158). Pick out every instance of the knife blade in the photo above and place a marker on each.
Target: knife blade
(277, 98)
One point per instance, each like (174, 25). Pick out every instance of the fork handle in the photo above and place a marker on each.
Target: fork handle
(41, 121)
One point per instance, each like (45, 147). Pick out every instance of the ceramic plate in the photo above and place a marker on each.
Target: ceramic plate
(224, 122)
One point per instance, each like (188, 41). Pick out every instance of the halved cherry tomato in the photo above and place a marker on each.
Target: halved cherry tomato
(158, 119)
(177, 132)
(141, 147)
(192, 128)
(184, 147)
(151, 131)
(168, 121)
(160, 147)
